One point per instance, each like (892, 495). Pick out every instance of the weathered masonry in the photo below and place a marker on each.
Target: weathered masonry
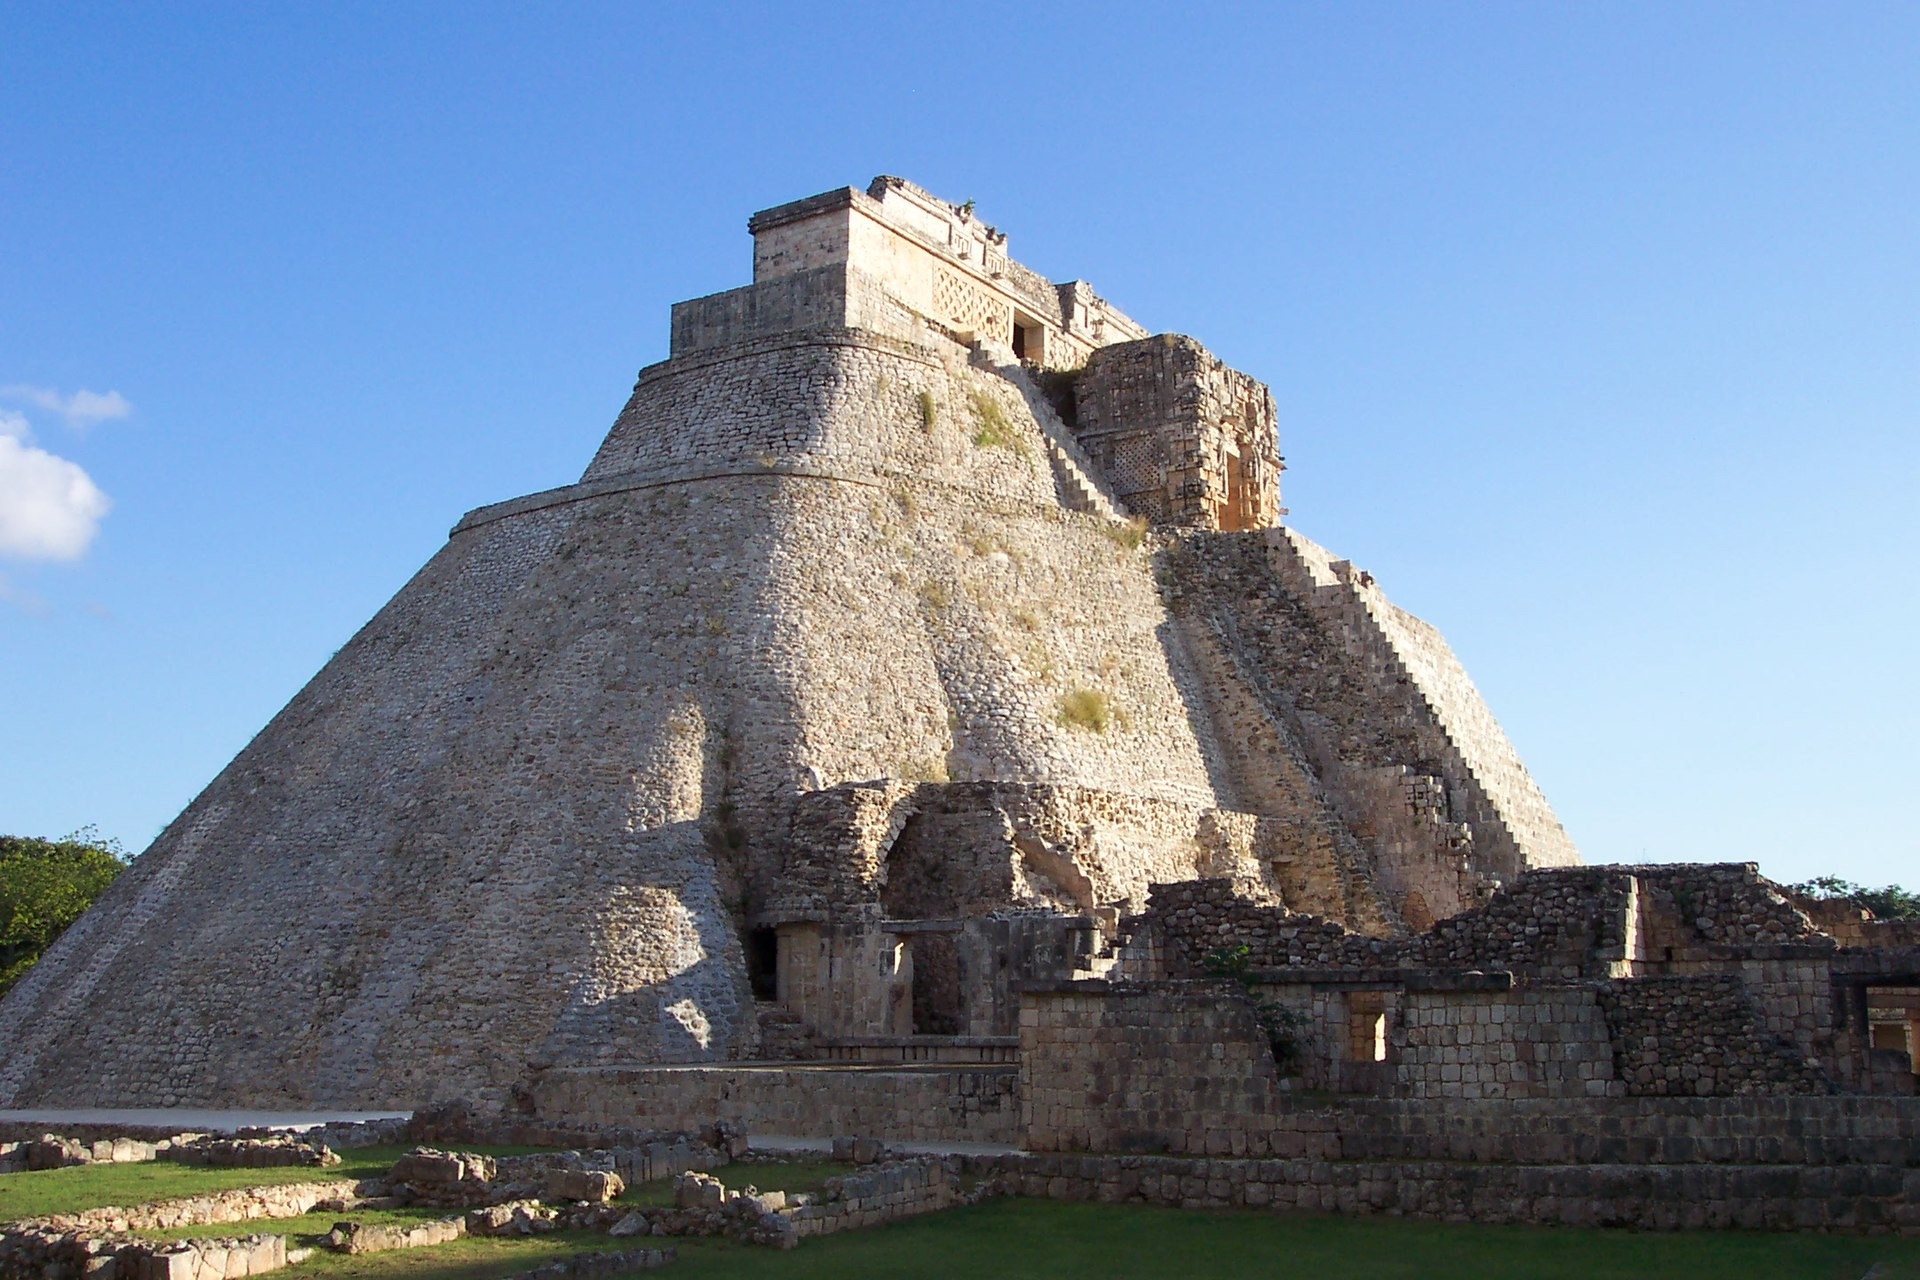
(916, 617)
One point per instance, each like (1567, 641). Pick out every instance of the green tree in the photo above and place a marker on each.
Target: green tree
(44, 886)
(1889, 902)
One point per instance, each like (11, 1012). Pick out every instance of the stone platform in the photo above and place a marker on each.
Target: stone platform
(906, 1102)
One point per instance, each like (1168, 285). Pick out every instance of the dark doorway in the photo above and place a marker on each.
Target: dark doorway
(939, 983)
(763, 963)
(1026, 340)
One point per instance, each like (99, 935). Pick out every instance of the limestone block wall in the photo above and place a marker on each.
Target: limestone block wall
(1874, 1198)
(942, 262)
(973, 1104)
(882, 1193)
(1700, 1036)
(1526, 1075)
(1793, 1001)
(825, 298)
(1562, 924)
(1524, 1043)
(1174, 1067)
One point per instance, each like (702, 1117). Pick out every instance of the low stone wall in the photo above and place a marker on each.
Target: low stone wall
(1809, 1130)
(882, 1193)
(1176, 1066)
(360, 1237)
(1658, 1131)
(243, 1204)
(1657, 1197)
(1184, 1068)
(1698, 1036)
(279, 1151)
(28, 1130)
(964, 1103)
(61, 1151)
(28, 1255)
(1530, 1042)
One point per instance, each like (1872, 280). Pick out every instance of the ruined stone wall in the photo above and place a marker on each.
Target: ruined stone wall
(1531, 1042)
(1183, 439)
(972, 1104)
(1520, 1076)
(1694, 905)
(1173, 1067)
(921, 850)
(1870, 1198)
(879, 1194)
(1560, 923)
(1699, 1036)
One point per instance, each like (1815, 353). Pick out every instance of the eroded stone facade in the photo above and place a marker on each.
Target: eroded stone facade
(916, 615)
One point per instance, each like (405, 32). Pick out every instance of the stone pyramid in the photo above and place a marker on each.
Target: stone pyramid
(915, 615)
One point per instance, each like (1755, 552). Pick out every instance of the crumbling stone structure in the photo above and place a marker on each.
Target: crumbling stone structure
(1183, 439)
(1588, 982)
(917, 617)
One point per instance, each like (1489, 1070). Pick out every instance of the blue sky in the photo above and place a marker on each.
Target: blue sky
(1594, 331)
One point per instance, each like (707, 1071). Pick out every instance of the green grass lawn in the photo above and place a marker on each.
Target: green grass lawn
(94, 1186)
(1011, 1239)
(1014, 1239)
(472, 1258)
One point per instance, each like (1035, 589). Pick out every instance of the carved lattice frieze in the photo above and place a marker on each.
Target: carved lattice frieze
(965, 305)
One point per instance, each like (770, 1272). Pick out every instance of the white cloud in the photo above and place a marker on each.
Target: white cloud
(50, 509)
(80, 410)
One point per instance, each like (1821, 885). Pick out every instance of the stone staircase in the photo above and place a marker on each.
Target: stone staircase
(1073, 471)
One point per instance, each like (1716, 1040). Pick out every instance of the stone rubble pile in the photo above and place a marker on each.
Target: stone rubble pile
(257, 1150)
(513, 1218)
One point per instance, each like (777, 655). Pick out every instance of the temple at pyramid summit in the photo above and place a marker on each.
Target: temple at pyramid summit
(920, 671)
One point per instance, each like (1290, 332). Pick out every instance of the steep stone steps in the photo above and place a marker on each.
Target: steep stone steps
(1080, 488)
